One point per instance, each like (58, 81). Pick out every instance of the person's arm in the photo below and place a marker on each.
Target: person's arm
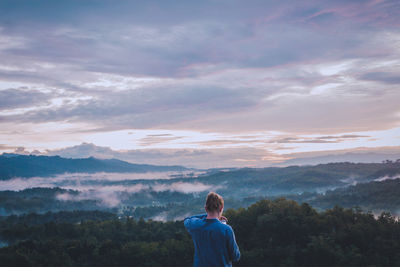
(233, 247)
(189, 220)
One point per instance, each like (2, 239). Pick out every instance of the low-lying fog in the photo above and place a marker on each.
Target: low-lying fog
(80, 180)
(112, 195)
(109, 188)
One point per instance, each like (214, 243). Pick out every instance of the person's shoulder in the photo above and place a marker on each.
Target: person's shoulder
(225, 227)
(194, 222)
(199, 217)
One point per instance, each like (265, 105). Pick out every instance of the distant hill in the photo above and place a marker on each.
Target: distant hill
(13, 165)
(173, 198)
(374, 196)
(296, 179)
(355, 157)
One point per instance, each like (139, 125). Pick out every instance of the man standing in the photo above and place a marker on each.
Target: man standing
(214, 240)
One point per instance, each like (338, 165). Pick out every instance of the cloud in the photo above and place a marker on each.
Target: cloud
(385, 77)
(305, 68)
(156, 139)
(228, 142)
(109, 196)
(8, 147)
(234, 34)
(21, 97)
(146, 107)
(220, 107)
(346, 136)
(22, 183)
(184, 187)
(318, 139)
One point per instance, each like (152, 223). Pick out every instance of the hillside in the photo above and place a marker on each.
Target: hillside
(297, 179)
(373, 196)
(172, 198)
(31, 166)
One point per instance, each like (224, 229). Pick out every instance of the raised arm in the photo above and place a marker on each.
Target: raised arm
(188, 221)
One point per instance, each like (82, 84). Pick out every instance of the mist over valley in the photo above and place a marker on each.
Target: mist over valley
(167, 195)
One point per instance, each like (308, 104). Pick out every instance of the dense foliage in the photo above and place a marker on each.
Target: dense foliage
(269, 233)
(75, 216)
(41, 200)
(283, 233)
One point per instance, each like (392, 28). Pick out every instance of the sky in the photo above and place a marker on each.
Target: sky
(199, 83)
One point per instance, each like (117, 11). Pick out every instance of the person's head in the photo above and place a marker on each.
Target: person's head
(214, 204)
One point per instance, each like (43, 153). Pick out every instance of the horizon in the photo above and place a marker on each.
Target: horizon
(213, 84)
(339, 158)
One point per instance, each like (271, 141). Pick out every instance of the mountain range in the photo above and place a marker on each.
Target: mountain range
(14, 165)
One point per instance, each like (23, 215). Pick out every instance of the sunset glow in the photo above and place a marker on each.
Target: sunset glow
(213, 84)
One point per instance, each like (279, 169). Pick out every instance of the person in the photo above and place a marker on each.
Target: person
(214, 240)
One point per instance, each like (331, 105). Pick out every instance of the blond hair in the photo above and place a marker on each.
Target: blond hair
(214, 202)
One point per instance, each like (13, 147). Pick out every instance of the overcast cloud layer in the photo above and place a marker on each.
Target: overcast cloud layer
(259, 78)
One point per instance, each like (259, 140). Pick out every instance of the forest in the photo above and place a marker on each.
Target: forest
(276, 232)
(337, 214)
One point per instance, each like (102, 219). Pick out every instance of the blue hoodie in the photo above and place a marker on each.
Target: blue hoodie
(214, 242)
